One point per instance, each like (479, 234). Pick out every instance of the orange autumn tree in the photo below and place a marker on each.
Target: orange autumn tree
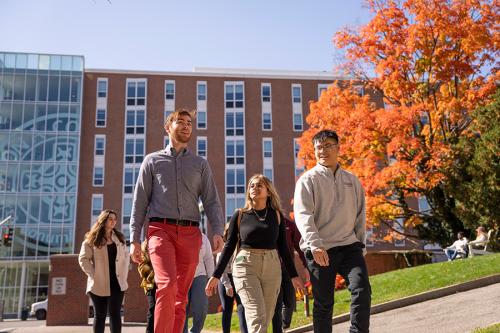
(432, 62)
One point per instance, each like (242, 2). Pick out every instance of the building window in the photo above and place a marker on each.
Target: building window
(98, 176)
(170, 90)
(166, 140)
(359, 89)
(201, 91)
(100, 142)
(268, 172)
(100, 119)
(102, 88)
(234, 124)
(299, 165)
(234, 95)
(130, 179)
(267, 147)
(297, 122)
(97, 206)
(135, 122)
(201, 146)
(233, 202)
(235, 152)
(266, 92)
(399, 239)
(136, 92)
(235, 181)
(296, 93)
(321, 87)
(201, 119)
(127, 210)
(267, 121)
(134, 150)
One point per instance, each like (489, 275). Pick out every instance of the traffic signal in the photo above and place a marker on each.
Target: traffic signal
(7, 237)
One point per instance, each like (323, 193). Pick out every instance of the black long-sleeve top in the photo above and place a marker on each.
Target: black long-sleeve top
(255, 234)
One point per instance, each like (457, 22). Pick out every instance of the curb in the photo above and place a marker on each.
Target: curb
(418, 298)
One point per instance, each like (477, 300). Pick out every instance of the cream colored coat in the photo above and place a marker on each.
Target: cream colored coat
(94, 262)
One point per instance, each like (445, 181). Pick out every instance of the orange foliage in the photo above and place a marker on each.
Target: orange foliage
(432, 62)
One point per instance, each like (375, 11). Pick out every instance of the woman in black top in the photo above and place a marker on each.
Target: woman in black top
(258, 234)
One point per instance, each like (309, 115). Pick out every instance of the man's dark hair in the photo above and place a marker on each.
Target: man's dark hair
(460, 234)
(325, 134)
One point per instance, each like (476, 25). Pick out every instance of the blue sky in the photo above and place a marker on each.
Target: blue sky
(180, 35)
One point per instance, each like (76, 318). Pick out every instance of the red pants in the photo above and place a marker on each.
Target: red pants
(174, 252)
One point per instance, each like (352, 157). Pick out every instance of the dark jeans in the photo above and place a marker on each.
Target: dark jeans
(227, 308)
(349, 262)
(285, 304)
(103, 305)
(150, 320)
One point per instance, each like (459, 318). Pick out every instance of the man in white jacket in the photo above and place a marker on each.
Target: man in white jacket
(197, 299)
(329, 209)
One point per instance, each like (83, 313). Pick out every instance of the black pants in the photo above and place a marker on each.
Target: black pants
(103, 305)
(349, 262)
(285, 304)
(150, 319)
(227, 308)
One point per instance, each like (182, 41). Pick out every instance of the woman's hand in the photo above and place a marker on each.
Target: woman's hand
(211, 287)
(298, 284)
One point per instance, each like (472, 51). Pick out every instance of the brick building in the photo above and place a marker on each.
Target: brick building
(247, 122)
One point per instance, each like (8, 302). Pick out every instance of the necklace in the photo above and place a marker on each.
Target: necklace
(261, 219)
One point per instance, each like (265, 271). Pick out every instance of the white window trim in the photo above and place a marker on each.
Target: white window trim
(102, 79)
(202, 138)
(234, 83)
(103, 175)
(165, 90)
(96, 137)
(95, 196)
(136, 107)
(198, 83)
(105, 116)
(297, 108)
(322, 86)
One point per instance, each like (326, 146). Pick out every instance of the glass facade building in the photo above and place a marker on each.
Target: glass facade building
(40, 116)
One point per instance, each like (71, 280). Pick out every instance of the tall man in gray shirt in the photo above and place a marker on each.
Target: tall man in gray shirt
(169, 185)
(329, 209)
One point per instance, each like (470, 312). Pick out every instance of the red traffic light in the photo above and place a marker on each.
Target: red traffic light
(7, 237)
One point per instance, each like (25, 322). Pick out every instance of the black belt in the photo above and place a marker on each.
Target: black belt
(184, 223)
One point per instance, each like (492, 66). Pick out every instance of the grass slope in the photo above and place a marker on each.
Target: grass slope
(396, 284)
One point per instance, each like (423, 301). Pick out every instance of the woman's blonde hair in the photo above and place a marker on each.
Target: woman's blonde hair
(273, 199)
(96, 235)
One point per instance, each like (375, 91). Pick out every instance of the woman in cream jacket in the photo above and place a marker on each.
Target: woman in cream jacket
(105, 259)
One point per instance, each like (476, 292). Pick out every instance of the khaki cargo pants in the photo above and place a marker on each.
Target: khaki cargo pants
(257, 278)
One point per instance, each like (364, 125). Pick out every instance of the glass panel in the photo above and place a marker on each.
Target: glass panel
(53, 88)
(55, 62)
(42, 87)
(30, 88)
(33, 61)
(21, 61)
(77, 64)
(19, 81)
(44, 62)
(65, 89)
(66, 63)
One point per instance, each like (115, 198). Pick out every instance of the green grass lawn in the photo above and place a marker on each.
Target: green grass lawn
(396, 284)
(489, 329)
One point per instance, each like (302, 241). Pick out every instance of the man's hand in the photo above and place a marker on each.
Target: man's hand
(321, 257)
(298, 284)
(230, 292)
(218, 244)
(211, 287)
(135, 252)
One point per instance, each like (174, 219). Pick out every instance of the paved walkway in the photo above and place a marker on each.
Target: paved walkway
(462, 312)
